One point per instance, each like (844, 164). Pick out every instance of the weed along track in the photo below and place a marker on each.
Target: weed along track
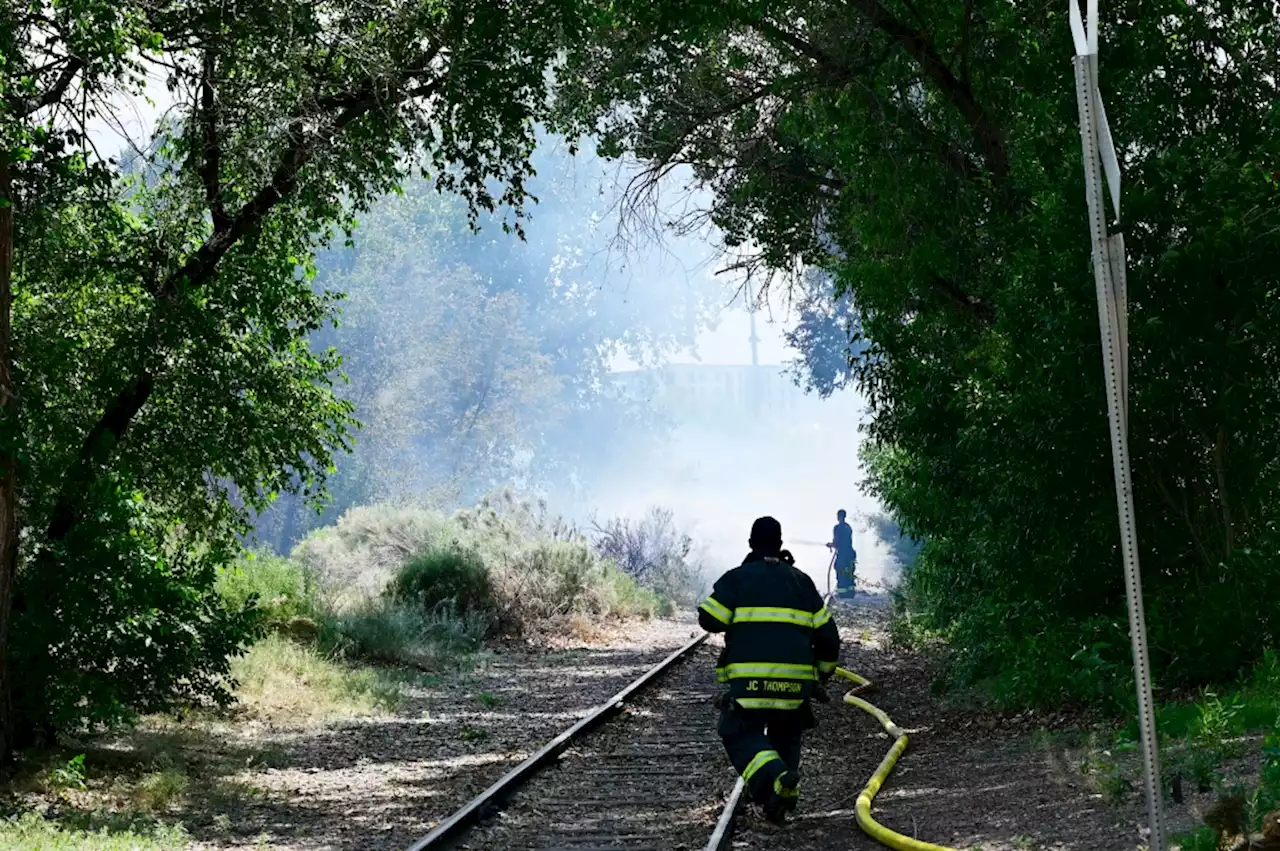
(654, 777)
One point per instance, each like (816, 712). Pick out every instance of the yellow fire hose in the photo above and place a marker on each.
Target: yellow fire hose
(870, 826)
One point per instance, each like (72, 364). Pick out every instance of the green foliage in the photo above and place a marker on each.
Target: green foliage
(30, 830)
(1217, 719)
(157, 791)
(1218, 714)
(450, 576)
(364, 548)
(124, 619)
(1263, 799)
(545, 569)
(1267, 797)
(392, 632)
(164, 309)
(1198, 736)
(927, 155)
(69, 775)
(435, 585)
(290, 683)
(278, 589)
(1203, 838)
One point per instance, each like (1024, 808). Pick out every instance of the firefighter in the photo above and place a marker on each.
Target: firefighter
(846, 556)
(780, 645)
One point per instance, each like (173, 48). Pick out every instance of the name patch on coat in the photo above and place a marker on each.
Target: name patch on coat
(774, 686)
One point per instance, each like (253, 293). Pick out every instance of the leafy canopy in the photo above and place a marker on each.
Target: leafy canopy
(164, 303)
(927, 155)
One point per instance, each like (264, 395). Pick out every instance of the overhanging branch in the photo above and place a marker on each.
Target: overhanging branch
(958, 92)
(119, 413)
(24, 107)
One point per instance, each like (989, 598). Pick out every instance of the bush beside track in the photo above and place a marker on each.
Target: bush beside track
(408, 585)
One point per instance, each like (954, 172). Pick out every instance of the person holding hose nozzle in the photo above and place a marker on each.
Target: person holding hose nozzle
(780, 647)
(846, 556)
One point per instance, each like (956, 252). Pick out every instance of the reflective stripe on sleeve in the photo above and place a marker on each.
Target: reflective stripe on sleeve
(821, 617)
(717, 610)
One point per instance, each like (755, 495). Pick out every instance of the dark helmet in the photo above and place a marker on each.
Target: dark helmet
(766, 534)
(841, 514)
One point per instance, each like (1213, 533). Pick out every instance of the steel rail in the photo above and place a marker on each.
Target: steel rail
(490, 798)
(724, 828)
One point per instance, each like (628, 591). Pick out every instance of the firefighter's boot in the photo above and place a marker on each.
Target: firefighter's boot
(786, 793)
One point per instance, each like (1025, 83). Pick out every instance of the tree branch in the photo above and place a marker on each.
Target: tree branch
(831, 69)
(211, 158)
(971, 305)
(796, 43)
(958, 92)
(26, 106)
(697, 122)
(118, 414)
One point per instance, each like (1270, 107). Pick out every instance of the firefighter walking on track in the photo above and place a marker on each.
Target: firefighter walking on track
(780, 643)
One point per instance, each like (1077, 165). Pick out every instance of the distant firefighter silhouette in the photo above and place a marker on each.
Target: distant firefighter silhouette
(780, 646)
(846, 555)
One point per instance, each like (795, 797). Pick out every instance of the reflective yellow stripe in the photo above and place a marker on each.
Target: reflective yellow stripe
(768, 703)
(821, 617)
(713, 607)
(722, 675)
(770, 670)
(771, 614)
(827, 667)
(782, 790)
(761, 759)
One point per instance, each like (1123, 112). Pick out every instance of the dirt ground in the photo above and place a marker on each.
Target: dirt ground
(967, 780)
(384, 782)
(377, 783)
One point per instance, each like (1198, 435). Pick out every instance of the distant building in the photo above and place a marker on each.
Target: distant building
(717, 391)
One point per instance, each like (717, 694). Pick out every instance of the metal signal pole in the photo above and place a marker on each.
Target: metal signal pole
(1109, 269)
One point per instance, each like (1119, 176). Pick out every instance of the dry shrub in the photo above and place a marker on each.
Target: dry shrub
(508, 563)
(654, 552)
(368, 546)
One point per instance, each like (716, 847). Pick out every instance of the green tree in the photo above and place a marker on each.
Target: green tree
(163, 336)
(927, 155)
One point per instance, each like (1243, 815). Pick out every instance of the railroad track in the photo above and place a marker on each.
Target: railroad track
(644, 772)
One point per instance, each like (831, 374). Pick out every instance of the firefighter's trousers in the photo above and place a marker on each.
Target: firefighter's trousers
(845, 567)
(763, 744)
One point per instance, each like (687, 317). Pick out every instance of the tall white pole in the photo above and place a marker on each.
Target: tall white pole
(1109, 270)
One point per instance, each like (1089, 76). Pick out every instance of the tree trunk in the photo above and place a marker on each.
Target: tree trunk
(289, 528)
(9, 441)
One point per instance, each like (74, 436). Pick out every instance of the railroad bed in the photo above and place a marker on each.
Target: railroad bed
(654, 778)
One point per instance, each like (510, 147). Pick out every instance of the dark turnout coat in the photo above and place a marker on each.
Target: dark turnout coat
(779, 636)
